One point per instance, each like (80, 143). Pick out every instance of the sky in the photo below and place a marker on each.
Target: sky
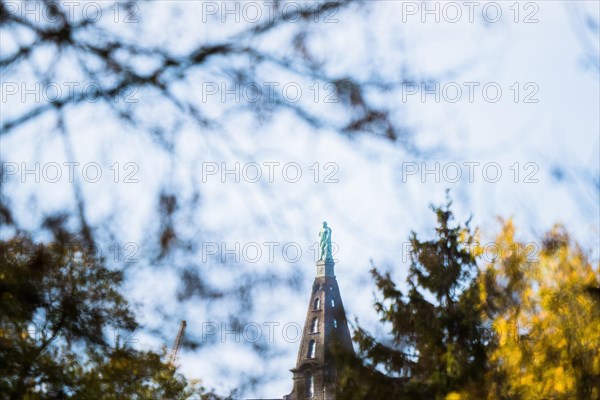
(525, 146)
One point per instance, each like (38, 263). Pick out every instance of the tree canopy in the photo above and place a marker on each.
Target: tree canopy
(59, 322)
(526, 325)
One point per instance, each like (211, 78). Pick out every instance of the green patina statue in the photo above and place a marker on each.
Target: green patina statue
(325, 243)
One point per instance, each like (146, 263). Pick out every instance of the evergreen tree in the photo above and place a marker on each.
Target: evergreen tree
(438, 343)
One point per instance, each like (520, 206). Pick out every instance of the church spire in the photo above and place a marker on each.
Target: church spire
(325, 327)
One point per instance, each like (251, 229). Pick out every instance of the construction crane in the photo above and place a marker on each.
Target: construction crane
(177, 343)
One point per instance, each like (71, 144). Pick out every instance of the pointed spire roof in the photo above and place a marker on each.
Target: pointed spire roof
(324, 327)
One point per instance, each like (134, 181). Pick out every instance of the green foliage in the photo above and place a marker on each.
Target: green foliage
(516, 328)
(438, 336)
(58, 304)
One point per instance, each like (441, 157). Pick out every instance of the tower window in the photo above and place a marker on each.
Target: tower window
(312, 349)
(335, 323)
(332, 303)
(330, 287)
(317, 304)
(309, 384)
(314, 327)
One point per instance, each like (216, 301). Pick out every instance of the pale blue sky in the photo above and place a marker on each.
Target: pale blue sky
(375, 204)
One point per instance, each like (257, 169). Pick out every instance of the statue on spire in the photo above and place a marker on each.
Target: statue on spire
(325, 243)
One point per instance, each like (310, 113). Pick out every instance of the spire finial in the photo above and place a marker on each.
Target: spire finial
(325, 263)
(325, 243)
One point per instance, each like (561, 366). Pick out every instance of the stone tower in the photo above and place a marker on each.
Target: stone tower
(325, 325)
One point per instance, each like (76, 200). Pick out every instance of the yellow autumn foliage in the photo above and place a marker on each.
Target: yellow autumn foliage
(545, 319)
